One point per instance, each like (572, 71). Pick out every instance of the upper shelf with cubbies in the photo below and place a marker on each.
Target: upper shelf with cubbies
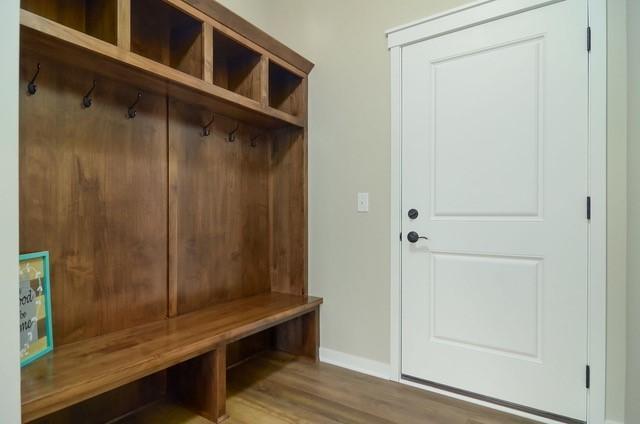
(170, 46)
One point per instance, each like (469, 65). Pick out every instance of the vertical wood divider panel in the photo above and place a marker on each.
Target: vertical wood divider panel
(220, 387)
(124, 24)
(264, 81)
(304, 110)
(288, 206)
(201, 384)
(207, 54)
(300, 336)
(172, 221)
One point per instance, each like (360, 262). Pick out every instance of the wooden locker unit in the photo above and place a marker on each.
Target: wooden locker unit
(174, 207)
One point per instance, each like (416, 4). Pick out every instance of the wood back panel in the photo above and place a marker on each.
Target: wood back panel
(73, 17)
(218, 211)
(243, 349)
(93, 192)
(95, 17)
(286, 90)
(101, 19)
(288, 206)
(112, 404)
(186, 46)
(149, 31)
(166, 35)
(299, 336)
(236, 67)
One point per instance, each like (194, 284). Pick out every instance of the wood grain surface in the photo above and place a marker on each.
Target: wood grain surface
(218, 212)
(288, 206)
(277, 388)
(112, 404)
(171, 253)
(240, 25)
(200, 384)
(78, 371)
(52, 39)
(93, 191)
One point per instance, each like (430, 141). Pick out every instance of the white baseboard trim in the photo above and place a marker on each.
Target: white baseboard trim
(355, 363)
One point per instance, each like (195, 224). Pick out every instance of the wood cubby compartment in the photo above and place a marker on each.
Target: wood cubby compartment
(235, 67)
(285, 90)
(97, 18)
(167, 35)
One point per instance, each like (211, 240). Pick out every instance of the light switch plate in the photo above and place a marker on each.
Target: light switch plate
(363, 202)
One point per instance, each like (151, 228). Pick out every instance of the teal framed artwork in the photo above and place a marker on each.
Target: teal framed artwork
(36, 329)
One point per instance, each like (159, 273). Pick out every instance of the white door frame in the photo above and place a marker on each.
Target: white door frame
(473, 14)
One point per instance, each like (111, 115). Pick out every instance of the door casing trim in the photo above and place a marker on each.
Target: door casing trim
(473, 14)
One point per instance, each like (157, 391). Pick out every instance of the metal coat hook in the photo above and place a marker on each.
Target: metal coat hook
(232, 134)
(32, 87)
(206, 130)
(131, 112)
(253, 140)
(87, 100)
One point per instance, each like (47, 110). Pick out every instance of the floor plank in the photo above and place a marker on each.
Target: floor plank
(277, 388)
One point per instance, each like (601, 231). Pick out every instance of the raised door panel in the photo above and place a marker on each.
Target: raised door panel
(500, 309)
(487, 133)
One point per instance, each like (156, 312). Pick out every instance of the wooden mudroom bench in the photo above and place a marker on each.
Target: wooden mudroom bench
(163, 167)
(78, 371)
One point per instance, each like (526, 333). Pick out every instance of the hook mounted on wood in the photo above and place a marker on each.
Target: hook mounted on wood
(232, 133)
(87, 100)
(206, 130)
(32, 87)
(254, 138)
(131, 112)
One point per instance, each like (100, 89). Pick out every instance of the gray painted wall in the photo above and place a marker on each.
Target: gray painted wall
(617, 208)
(633, 243)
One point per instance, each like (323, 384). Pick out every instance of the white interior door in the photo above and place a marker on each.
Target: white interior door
(494, 161)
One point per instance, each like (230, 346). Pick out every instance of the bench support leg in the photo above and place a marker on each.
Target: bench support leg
(300, 336)
(201, 384)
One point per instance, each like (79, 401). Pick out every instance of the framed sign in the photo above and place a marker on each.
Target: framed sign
(36, 331)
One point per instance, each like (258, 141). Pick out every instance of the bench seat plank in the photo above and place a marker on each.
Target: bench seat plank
(78, 371)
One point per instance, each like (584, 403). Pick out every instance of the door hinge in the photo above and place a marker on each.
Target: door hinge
(400, 236)
(588, 207)
(588, 38)
(588, 377)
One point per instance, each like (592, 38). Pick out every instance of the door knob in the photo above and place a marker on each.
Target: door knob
(414, 237)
